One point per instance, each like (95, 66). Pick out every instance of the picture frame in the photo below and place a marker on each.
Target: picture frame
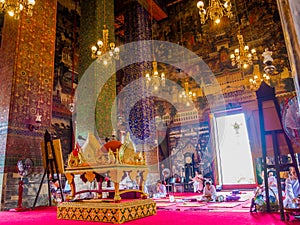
(50, 156)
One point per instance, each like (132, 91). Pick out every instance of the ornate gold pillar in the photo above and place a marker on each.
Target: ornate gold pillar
(26, 71)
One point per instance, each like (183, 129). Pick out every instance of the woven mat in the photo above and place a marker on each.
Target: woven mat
(167, 199)
(161, 204)
(192, 196)
(224, 205)
(247, 205)
(162, 200)
(245, 197)
(224, 210)
(191, 204)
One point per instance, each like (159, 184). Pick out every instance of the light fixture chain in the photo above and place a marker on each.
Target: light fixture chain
(242, 56)
(153, 78)
(105, 50)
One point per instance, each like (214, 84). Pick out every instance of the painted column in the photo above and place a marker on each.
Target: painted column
(26, 71)
(94, 15)
(7, 48)
(141, 115)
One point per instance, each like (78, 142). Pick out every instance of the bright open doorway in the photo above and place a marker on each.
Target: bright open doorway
(235, 164)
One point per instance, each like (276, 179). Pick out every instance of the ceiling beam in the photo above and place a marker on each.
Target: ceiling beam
(154, 9)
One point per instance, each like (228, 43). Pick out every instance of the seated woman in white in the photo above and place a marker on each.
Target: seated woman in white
(126, 182)
(161, 191)
(292, 189)
(197, 182)
(209, 192)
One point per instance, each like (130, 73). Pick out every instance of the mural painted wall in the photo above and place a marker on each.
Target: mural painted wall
(28, 45)
(189, 151)
(65, 72)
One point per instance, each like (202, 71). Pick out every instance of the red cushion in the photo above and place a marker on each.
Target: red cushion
(113, 145)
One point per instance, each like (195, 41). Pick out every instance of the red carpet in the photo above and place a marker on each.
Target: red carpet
(47, 216)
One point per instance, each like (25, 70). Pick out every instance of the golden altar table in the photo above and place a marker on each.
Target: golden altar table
(93, 163)
(115, 171)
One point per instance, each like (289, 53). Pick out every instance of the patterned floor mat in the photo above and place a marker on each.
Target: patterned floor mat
(191, 204)
(162, 204)
(224, 205)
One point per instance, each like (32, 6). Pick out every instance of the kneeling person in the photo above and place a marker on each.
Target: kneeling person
(209, 192)
(161, 191)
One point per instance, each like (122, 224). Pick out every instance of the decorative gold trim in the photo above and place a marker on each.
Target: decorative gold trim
(96, 210)
(90, 176)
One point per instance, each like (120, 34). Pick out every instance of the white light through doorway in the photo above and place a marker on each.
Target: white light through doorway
(235, 165)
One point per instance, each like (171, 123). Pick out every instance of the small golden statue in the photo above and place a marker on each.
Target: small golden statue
(75, 158)
(128, 154)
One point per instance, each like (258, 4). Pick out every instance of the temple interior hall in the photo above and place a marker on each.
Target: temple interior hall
(103, 101)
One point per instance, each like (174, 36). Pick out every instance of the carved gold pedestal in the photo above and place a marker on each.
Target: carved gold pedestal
(106, 212)
(116, 173)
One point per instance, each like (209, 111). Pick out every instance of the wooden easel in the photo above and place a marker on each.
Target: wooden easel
(266, 93)
(50, 169)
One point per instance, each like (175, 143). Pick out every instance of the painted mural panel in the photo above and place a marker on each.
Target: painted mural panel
(190, 151)
(65, 72)
(66, 54)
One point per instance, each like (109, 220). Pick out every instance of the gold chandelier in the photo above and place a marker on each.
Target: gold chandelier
(15, 7)
(104, 50)
(155, 80)
(215, 10)
(256, 81)
(242, 57)
(188, 92)
(257, 78)
(187, 96)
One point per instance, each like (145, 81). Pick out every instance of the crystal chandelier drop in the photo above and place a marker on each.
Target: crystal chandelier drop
(215, 10)
(104, 50)
(242, 57)
(15, 7)
(155, 80)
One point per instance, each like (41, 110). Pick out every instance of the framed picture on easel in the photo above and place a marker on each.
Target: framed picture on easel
(50, 156)
(53, 164)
